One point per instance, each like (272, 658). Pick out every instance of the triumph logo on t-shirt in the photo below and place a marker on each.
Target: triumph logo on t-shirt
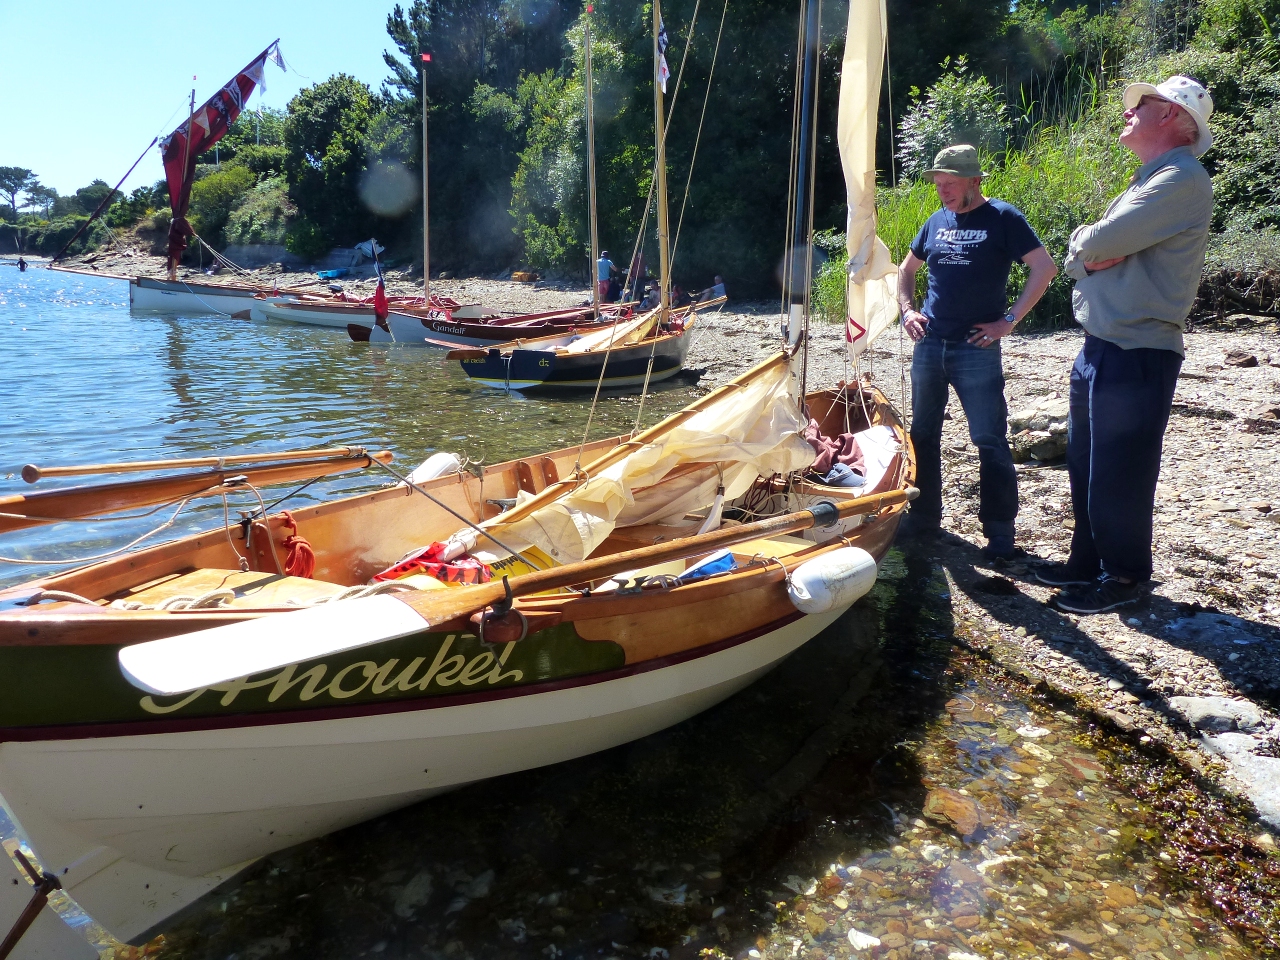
(959, 243)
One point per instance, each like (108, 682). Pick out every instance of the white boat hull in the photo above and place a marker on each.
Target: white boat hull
(178, 297)
(139, 826)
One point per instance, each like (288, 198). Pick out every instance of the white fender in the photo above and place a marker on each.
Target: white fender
(436, 465)
(832, 581)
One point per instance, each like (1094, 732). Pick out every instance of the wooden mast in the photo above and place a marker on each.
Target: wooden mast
(186, 157)
(591, 167)
(660, 162)
(426, 230)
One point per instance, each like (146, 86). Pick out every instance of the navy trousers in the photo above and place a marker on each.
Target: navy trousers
(978, 379)
(1120, 403)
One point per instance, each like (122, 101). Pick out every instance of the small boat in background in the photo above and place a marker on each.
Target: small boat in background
(624, 354)
(340, 311)
(186, 297)
(438, 328)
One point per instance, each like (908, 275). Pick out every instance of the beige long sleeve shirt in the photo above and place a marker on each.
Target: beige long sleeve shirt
(1160, 225)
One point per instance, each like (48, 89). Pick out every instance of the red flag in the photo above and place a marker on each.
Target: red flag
(380, 308)
(209, 123)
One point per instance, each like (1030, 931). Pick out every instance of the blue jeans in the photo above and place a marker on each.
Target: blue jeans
(978, 378)
(1120, 403)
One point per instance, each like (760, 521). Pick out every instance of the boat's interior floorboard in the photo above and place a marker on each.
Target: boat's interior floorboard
(251, 588)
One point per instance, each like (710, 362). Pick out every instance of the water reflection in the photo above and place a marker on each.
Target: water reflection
(861, 800)
(91, 383)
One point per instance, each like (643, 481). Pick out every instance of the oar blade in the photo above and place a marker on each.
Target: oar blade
(208, 657)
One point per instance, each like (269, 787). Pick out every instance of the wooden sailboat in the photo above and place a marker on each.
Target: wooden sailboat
(224, 705)
(191, 785)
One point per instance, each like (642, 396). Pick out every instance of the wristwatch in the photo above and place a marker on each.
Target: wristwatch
(1010, 319)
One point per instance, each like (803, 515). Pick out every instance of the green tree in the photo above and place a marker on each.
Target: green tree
(263, 215)
(13, 181)
(42, 198)
(325, 155)
(961, 107)
(214, 197)
(89, 197)
(480, 49)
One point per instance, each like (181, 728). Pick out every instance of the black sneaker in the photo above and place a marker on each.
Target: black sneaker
(916, 527)
(1105, 593)
(1001, 549)
(1061, 575)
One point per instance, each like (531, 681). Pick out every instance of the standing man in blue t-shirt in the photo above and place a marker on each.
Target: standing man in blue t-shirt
(605, 270)
(969, 245)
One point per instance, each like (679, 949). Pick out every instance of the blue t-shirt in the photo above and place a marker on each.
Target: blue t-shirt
(969, 256)
(604, 268)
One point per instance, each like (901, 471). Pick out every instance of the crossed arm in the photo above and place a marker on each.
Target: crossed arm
(1041, 271)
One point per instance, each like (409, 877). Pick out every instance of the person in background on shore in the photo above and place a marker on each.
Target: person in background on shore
(970, 245)
(636, 276)
(714, 291)
(1137, 271)
(604, 273)
(679, 298)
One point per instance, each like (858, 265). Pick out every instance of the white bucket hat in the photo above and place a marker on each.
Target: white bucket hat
(1187, 94)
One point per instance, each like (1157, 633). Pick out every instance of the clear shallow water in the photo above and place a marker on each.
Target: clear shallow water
(86, 381)
(875, 796)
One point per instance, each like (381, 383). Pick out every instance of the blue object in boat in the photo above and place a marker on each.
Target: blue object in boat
(843, 475)
(332, 274)
(721, 561)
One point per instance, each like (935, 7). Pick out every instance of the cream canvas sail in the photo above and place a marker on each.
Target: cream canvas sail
(754, 431)
(872, 276)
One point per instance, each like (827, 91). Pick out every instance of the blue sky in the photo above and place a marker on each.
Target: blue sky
(87, 84)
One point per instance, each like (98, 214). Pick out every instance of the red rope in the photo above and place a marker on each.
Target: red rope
(301, 561)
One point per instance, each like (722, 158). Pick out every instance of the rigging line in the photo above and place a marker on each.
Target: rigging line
(109, 553)
(644, 391)
(788, 252)
(454, 513)
(639, 245)
(813, 168)
(675, 243)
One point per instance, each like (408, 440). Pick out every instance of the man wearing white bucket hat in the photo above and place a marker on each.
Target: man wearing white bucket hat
(1137, 271)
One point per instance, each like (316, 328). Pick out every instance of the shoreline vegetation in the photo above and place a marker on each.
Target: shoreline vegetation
(1037, 89)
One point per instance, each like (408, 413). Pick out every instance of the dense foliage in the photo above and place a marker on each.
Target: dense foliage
(1035, 86)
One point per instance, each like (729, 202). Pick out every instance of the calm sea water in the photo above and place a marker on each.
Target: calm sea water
(86, 381)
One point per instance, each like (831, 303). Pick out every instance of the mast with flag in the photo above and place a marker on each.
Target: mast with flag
(205, 126)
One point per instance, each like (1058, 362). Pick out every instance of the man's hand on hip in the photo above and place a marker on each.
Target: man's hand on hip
(913, 321)
(1096, 265)
(985, 334)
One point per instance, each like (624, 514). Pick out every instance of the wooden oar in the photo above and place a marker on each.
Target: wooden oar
(194, 660)
(31, 473)
(79, 503)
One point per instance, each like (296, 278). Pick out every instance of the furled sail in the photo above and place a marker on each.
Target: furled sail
(872, 276)
(756, 430)
(209, 121)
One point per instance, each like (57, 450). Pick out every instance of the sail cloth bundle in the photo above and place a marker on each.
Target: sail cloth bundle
(872, 276)
(754, 431)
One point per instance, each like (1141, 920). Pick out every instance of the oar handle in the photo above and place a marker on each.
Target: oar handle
(31, 473)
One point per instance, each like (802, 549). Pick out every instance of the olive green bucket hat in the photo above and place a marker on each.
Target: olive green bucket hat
(959, 160)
